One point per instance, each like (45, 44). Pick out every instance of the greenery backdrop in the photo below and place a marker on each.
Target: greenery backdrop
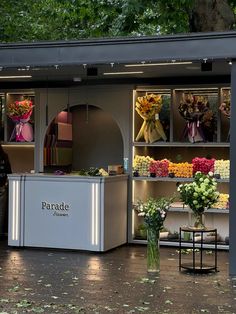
(30, 20)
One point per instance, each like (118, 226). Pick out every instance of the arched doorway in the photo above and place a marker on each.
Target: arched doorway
(96, 141)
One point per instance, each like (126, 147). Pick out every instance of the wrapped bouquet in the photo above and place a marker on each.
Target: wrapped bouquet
(195, 110)
(225, 105)
(149, 107)
(20, 113)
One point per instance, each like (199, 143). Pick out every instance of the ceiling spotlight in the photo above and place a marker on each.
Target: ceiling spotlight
(206, 66)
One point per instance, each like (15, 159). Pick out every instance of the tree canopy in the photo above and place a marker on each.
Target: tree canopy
(30, 20)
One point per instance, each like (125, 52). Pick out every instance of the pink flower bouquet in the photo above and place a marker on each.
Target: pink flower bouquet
(20, 113)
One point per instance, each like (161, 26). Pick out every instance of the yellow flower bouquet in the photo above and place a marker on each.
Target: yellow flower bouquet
(149, 107)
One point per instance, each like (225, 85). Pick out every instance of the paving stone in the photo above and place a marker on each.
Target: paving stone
(64, 281)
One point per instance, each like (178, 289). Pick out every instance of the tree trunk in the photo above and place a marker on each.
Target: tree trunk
(211, 15)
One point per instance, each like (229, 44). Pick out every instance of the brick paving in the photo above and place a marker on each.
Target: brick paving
(60, 281)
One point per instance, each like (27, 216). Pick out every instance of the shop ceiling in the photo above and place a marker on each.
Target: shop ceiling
(188, 58)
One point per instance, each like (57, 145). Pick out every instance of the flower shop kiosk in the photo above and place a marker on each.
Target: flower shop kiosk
(117, 79)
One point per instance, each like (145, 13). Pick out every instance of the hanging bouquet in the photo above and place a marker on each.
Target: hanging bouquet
(195, 110)
(149, 107)
(154, 212)
(225, 105)
(200, 194)
(20, 113)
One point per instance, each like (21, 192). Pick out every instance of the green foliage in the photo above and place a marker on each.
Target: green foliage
(30, 20)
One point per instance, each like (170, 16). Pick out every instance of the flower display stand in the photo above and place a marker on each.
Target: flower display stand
(198, 261)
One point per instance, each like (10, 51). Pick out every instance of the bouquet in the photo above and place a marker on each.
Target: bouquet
(20, 112)
(149, 107)
(199, 195)
(159, 167)
(203, 165)
(225, 105)
(195, 110)
(182, 170)
(154, 212)
(141, 164)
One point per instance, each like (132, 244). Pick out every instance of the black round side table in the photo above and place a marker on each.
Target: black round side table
(196, 243)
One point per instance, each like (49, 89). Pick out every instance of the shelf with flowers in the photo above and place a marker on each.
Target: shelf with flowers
(147, 168)
(195, 132)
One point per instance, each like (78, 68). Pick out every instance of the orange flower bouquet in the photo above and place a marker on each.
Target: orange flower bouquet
(20, 113)
(149, 107)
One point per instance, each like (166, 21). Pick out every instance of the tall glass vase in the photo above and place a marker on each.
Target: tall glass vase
(153, 250)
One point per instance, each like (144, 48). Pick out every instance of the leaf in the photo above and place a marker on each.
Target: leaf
(23, 304)
(37, 310)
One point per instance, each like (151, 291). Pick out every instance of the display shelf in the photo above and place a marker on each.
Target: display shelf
(175, 179)
(184, 244)
(179, 148)
(208, 211)
(182, 144)
(18, 144)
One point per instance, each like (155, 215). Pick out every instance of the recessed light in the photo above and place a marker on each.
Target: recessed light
(157, 64)
(123, 73)
(15, 76)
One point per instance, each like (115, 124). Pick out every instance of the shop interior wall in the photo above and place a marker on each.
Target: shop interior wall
(97, 140)
(115, 100)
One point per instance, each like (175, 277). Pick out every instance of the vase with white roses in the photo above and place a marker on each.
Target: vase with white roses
(199, 195)
(154, 211)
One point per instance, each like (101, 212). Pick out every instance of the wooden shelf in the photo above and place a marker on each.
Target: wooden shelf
(182, 144)
(184, 244)
(208, 211)
(175, 179)
(18, 144)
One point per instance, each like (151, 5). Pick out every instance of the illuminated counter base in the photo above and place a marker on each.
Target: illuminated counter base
(68, 212)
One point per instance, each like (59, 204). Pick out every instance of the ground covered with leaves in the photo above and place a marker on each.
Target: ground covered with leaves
(57, 281)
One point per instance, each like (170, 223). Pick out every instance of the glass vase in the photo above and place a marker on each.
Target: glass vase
(153, 250)
(196, 220)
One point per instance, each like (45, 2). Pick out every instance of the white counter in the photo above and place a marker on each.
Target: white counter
(67, 211)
